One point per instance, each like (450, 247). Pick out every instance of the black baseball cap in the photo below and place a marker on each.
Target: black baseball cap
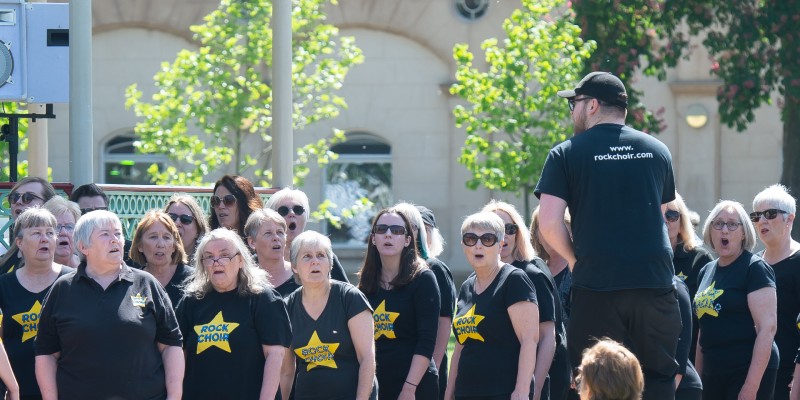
(427, 216)
(603, 86)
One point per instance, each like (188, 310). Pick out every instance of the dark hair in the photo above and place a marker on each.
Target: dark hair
(247, 200)
(410, 262)
(48, 192)
(88, 190)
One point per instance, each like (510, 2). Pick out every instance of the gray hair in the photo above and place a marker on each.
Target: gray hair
(778, 196)
(34, 217)
(258, 217)
(250, 280)
(286, 193)
(415, 218)
(59, 206)
(86, 225)
(749, 242)
(307, 239)
(485, 220)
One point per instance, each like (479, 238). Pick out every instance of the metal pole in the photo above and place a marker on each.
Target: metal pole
(81, 135)
(282, 143)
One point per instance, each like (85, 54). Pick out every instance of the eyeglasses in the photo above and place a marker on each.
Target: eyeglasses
(772, 213)
(228, 200)
(732, 226)
(511, 229)
(26, 197)
(672, 215)
(395, 229)
(284, 211)
(222, 260)
(572, 102)
(186, 219)
(66, 227)
(487, 239)
(85, 211)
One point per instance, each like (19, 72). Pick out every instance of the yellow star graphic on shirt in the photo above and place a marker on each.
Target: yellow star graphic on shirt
(29, 321)
(214, 333)
(466, 326)
(318, 354)
(704, 301)
(681, 276)
(384, 322)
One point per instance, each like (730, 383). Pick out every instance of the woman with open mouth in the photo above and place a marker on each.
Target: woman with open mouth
(22, 293)
(773, 215)
(29, 192)
(234, 199)
(190, 219)
(736, 306)
(158, 247)
(403, 292)
(67, 214)
(266, 235)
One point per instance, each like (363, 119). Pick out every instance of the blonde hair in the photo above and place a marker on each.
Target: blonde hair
(523, 250)
(611, 372)
(749, 242)
(686, 229)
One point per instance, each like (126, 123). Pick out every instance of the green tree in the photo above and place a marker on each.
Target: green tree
(754, 45)
(513, 116)
(22, 165)
(211, 103)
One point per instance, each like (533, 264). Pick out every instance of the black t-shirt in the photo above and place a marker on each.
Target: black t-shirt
(563, 282)
(727, 333)
(223, 338)
(614, 180)
(327, 364)
(11, 264)
(174, 286)
(787, 282)
(108, 338)
(288, 287)
(447, 288)
(490, 356)
(20, 311)
(406, 321)
(337, 271)
(542, 287)
(685, 367)
(688, 264)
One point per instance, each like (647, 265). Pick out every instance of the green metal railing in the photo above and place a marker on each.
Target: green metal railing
(129, 202)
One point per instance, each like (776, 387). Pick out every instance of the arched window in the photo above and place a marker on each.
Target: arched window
(121, 164)
(363, 170)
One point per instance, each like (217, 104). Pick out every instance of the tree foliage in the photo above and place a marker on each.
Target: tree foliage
(513, 116)
(211, 103)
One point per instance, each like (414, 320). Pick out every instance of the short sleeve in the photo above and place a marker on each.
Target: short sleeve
(354, 301)
(759, 275)
(46, 341)
(271, 319)
(426, 310)
(167, 330)
(553, 180)
(337, 271)
(447, 289)
(668, 192)
(518, 287)
(544, 297)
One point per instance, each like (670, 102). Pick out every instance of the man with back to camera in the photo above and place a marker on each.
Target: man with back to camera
(615, 181)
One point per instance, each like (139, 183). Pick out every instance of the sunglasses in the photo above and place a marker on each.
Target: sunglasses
(772, 213)
(732, 226)
(186, 219)
(228, 200)
(672, 215)
(511, 229)
(395, 229)
(26, 197)
(85, 211)
(284, 211)
(572, 102)
(487, 239)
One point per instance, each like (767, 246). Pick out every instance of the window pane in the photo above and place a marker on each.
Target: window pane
(128, 173)
(347, 182)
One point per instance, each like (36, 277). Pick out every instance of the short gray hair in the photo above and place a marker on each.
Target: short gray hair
(59, 206)
(87, 223)
(306, 239)
(485, 220)
(749, 232)
(415, 218)
(285, 193)
(778, 196)
(34, 217)
(258, 217)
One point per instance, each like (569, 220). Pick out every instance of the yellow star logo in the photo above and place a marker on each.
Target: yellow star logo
(704, 301)
(214, 333)
(29, 321)
(139, 300)
(466, 326)
(681, 276)
(318, 354)
(384, 322)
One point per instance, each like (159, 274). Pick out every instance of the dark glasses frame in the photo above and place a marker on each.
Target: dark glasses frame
(732, 226)
(487, 239)
(381, 229)
(571, 102)
(284, 210)
(672, 215)
(228, 200)
(771, 213)
(185, 219)
(26, 197)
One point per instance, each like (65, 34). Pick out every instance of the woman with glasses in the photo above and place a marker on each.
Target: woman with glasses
(773, 214)
(29, 192)
(158, 247)
(22, 293)
(190, 220)
(107, 330)
(67, 214)
(735, 304)
(235, 325)
(404, 294)
(497, 320)
(266, 235)
(332, 328)
(518, 252)
(233, 200)
(293, 206)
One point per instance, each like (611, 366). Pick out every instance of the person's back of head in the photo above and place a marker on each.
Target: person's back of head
(609, 371)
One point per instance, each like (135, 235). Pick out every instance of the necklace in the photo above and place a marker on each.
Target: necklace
(489, 280)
